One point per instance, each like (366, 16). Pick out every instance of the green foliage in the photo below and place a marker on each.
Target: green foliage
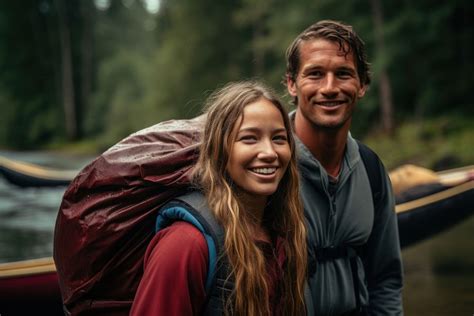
(194, 58)
(7, 116)
(436, 144)
(28, 92)
(117, 102)
(132, 69)
(431, 56)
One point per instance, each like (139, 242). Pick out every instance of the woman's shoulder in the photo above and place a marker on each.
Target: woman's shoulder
(178, 243)
(182, 229)
(178, 238)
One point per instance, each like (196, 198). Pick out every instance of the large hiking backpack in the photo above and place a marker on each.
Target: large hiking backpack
(107, 215)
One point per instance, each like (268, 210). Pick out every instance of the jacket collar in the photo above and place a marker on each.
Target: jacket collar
(312, 169)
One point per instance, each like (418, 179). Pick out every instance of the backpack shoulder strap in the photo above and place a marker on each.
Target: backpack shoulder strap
(192, 208)
(373, 166)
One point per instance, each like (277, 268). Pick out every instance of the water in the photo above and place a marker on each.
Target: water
(28, 215)
(439, 273)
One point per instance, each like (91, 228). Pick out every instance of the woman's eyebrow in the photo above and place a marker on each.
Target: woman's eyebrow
(256, 129)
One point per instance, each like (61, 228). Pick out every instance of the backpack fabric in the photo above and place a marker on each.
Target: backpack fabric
(107, 215)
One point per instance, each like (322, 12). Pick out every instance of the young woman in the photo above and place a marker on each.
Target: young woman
(247, 174)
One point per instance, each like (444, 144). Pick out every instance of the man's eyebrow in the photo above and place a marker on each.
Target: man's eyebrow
(312, 67)
(346, 68)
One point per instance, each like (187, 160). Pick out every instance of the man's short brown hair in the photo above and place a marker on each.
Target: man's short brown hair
(334, 31)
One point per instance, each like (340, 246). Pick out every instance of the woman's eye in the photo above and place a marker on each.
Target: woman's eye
(280, 138)
(248, 138)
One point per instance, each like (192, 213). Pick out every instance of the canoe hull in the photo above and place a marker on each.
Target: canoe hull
(429, 215)
(31, 295)
(24, 180)
(24, 174)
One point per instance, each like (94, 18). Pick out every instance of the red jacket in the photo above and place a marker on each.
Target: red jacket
(176, 265)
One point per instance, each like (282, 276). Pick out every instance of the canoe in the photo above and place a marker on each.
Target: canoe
(30, 287)
(428, 203)
(25, 174)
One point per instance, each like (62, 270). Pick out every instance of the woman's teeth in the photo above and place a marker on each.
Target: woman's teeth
(264, 170)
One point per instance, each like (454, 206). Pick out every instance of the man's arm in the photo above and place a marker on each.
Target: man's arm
(383, 262)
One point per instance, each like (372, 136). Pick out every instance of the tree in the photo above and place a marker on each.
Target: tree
(385, 88)
(67, 76)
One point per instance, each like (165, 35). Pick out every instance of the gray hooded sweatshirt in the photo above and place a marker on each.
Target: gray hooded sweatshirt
(342, 214)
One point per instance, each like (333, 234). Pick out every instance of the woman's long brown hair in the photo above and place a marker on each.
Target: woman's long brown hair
(247, 262)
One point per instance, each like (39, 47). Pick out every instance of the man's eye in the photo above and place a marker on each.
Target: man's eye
(344, 74)
(316, 73)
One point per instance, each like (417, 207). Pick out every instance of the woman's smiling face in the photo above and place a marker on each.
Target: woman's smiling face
(260, 152)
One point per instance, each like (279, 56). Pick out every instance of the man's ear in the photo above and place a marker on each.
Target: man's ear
(290, 86)
(362, 91)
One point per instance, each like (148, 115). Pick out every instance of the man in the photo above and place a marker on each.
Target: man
(356, 267)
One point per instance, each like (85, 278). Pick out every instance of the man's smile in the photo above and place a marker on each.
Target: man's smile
(329, 103)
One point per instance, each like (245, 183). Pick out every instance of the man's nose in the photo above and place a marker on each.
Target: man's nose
(329, 85)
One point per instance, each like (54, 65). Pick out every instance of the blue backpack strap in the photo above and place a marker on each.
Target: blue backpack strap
(193, 208)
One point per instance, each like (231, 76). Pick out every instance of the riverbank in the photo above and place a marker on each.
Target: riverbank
(437, 144)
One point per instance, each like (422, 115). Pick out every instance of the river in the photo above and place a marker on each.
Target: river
(439, 273)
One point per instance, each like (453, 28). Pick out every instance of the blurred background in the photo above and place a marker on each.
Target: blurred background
(79, 75)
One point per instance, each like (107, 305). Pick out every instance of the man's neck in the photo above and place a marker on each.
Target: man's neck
(326, 145)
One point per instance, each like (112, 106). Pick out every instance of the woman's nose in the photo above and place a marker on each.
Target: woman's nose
(267, 152)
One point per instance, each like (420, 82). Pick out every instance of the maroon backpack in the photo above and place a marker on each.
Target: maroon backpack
(107, 215)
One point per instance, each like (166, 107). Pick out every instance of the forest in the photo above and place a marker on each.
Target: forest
(82, 74)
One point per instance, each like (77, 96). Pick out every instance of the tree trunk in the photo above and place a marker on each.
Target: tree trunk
(67, 72)
(385, 92)
(86, 57)
(258, 51)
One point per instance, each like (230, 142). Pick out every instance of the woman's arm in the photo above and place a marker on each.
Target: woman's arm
(175, 271)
